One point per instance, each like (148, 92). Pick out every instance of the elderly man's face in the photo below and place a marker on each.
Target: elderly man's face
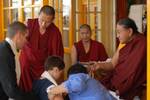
(45, 20)
(85, 34)
(124, 34)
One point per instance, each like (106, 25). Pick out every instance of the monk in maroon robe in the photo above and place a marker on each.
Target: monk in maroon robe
(96, 51)
(44, 40)
(87, 50)
(128, 63)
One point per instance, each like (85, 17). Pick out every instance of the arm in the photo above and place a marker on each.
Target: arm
(102, 53)
(58, 90)
(135, 71)
(107, 66)
(60, 46)
(73, 55)
(56, 44)
(75, 83)
(115, 58)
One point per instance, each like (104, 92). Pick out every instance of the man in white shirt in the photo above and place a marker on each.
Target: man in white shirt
(15, 40)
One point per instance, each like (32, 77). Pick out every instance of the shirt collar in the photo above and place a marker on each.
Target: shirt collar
(12, 45)
(46, 75)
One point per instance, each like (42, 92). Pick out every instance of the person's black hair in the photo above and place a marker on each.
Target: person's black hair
(48, 10)
(128, 23)
(14, 27)
(54, 61)
(77, 68)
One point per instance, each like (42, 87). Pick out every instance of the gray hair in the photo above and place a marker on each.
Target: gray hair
(86, 26)
(14, 27)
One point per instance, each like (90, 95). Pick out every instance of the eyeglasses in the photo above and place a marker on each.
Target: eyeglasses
(121, 31)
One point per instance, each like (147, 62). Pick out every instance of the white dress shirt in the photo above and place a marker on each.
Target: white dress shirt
(17, 63)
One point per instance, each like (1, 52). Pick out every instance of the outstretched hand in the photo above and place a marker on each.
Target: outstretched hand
(93, 66)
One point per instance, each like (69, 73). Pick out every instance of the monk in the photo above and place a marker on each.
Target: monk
(87, 50)
(128, 63)
(44, 40)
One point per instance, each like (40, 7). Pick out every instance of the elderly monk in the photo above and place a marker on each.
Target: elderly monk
(128, 63)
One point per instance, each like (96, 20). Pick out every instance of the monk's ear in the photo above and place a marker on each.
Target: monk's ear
(130, 32)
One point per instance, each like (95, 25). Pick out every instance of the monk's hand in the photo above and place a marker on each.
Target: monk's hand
(89, 66)
(95, 66)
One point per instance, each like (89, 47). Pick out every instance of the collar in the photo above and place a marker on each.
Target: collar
(46, 75)
(12, 45)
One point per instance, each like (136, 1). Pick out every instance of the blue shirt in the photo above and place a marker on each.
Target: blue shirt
(82, 87)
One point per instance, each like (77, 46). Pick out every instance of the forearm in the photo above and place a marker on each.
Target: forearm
(58, 89)
(106, 66)
(73, 55)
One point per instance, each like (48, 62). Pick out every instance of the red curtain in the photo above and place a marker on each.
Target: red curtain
(122, 12)
(122, 9)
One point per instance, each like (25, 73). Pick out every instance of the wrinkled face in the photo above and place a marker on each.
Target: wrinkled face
(123, 34)
(85, 34)
(45, 20)
(21, 39)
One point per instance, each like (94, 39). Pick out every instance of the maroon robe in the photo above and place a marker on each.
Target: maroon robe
(35, 52)
(96, 52)
(130, 72)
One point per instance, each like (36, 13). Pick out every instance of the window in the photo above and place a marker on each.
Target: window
(21, 10)
(70, 14)
(89, 12)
